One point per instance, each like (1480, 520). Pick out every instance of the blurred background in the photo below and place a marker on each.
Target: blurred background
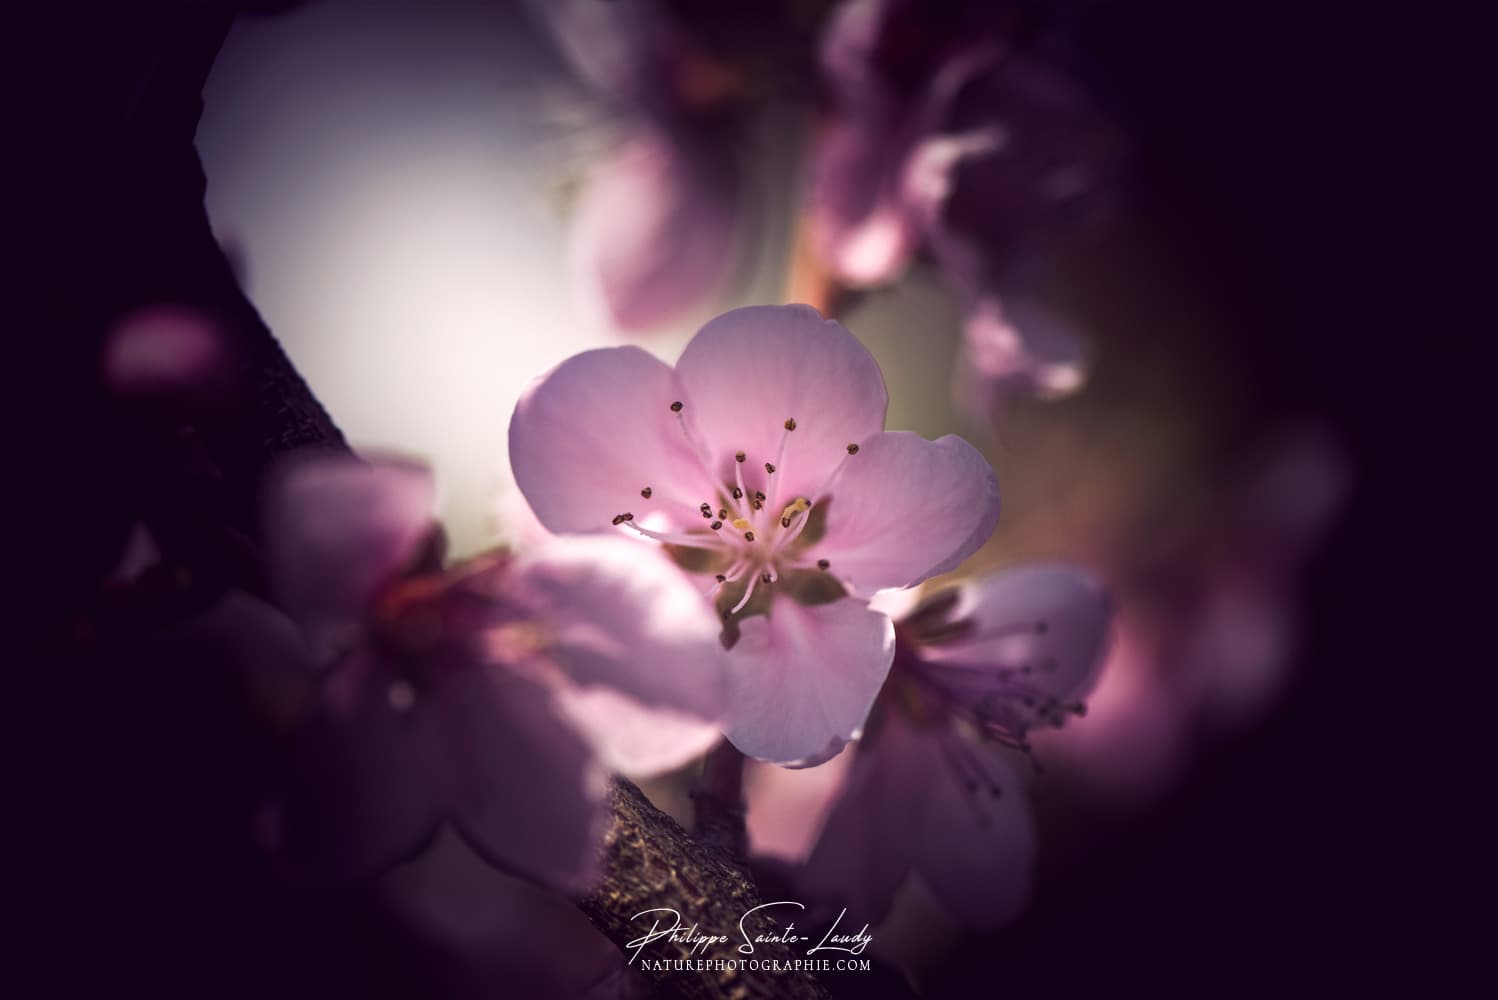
(399, 188)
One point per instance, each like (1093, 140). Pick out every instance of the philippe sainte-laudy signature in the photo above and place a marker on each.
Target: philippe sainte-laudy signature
(666, 924)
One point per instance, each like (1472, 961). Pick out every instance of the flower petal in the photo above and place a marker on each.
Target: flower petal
(977, 841)
(870, 840)
(337, 529)
(1019, 348)
(1041, 627)
(904, 509)
(480, 926)
(788, 807)
(803, 679)
(752, 369)
(527, 792)
(357, 795)
(595, 432)
(657, 232)
(638, 644)
(860, 226)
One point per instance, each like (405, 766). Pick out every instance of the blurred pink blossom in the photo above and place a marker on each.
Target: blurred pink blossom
(491, 697)
(948, 132)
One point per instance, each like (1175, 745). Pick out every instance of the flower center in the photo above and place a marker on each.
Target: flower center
(743, 531)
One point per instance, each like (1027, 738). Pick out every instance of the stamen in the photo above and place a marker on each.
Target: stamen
(766, 576)
(802, 505)
(739, 457)
(823, 564)
(646, 492)
(676, 406)
(748, 592)
(748, 536)
(716, 525)
(770, 467)
(690, 541)
(738, 493)
(853, 449)
(722, 514)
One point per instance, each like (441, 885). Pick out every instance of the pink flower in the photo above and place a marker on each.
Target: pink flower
(949, 134)
(661, 227)
(995, 659)
(760, 463)
(490, 698)
(657, 231)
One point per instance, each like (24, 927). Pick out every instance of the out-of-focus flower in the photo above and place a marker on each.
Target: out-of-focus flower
(761, 464)
(485, 934)
(1208, 629)
(949, 131)
(1049, 359)
(170, 353)
(660, 225)
(994, 659)
(656, 231)
(490, 698)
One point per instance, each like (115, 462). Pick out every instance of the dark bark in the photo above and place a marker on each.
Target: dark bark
(650, 862)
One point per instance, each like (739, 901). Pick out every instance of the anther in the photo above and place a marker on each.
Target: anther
(646, 493)
(721, 578)
(769, 469)
(739, 457)
(759, 496)
(627, 516)
(716, 525)
(618, 519)
(853, 449)
(748, 536)
(676, 406)
(785, 522)
(738, 494)
(790, 423)
(722, 513)
(823, 564)
(765, 577)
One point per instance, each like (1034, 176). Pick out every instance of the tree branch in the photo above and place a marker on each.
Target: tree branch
(651, 862)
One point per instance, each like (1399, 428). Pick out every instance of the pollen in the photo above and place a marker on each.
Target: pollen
(741, 523)
(800, 505)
